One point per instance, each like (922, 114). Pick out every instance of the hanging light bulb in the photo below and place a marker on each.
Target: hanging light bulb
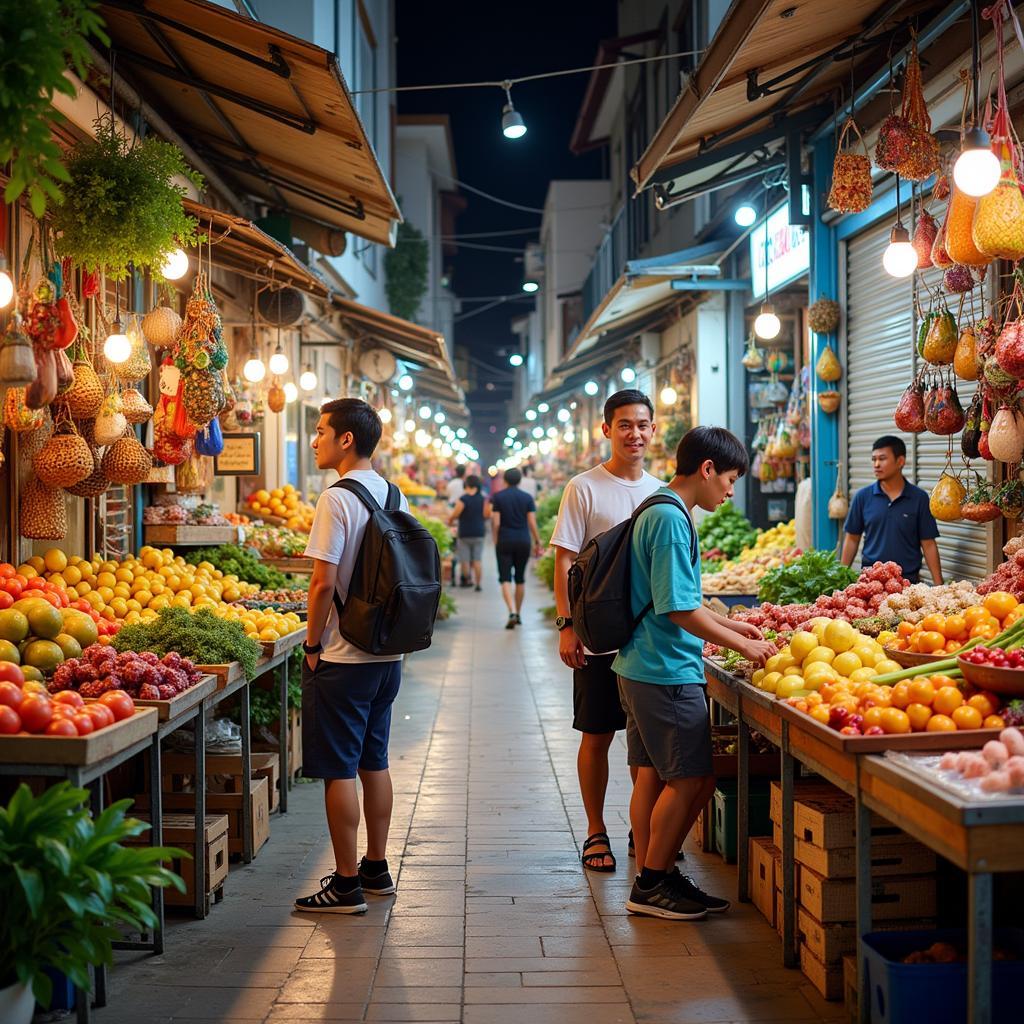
(405, 382)
(515, 359)
(255, 369)
(669, 395)
(385, 415)
(512, 124)
(461, 433)
(307, 381)
(118, 347)
(628, 375)
(563, 415)
(538, 431)
(291, 392)
(279, 361)
(175, 265)
(530, 286)
(439, 417)
(543, 407)
(512, 432)
(6, 284)
(745, 215)
(900, 257)
(976, 171)
(591, 387)
(767, 325)
(530, 414)
(410, 426)
(426, 412)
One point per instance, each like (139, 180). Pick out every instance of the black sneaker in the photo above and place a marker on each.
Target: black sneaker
(665, 900)
(519, 621)
(380, 884)
(478, 588)
(330, 901)
(511, 624)
(690, 889)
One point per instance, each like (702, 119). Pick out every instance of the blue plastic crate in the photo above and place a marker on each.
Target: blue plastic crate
(936, 993)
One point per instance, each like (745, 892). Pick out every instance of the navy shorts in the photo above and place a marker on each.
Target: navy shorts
(346, 717)
(512, 558)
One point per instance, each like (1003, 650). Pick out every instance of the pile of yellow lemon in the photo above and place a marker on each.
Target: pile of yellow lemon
(261, 625)
(411, 489)
(778, 538)
(283, 503)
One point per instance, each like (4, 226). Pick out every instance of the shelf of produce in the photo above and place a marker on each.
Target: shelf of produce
(731, 600)
(79, 751)
(172, 709)
(185, 535)
(299, 566)
(272, 648)
(224, 674)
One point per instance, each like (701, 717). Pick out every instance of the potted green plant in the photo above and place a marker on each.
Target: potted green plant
(66, 885)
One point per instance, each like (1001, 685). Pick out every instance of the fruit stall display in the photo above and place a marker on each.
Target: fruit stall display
(283, 506)
(239, 563)
(725, 533)
(144, 676)
(743, 574)
(183, 513)
(276, 541)
(412, 489)
(284, 600)
(937, 633)
(920, 600)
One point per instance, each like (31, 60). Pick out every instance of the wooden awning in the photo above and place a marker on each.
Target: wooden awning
(240, 246)
(769, 61)
(269, 111)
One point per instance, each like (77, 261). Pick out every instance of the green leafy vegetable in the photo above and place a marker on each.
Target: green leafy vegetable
(727, 529)
(808, 577)
(241, 562)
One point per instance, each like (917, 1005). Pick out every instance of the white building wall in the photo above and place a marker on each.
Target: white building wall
(711, 398)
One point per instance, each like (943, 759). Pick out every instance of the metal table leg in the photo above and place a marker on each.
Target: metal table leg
(979, 948)
(156, 835)
(199, 863)
(247, 852)
(743, 807)
(790, 953)
(864, 925)
(285, 734)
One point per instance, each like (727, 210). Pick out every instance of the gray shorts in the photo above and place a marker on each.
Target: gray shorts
(668, 728)
(469, 549)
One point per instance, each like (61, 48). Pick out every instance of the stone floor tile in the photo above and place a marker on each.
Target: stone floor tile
(549, 1013)
(399, 973)
(414, 1012)
(586, 993)
(508, 945)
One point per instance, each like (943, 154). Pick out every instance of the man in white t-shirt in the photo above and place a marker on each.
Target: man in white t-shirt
(456, 486)
(592, 503)
(346, 693)
(528, 484)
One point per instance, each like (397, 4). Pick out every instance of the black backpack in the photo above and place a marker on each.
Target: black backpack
(396, 582)
(600, 594)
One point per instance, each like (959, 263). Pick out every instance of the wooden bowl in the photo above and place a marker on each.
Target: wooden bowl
(910, 659)
(1009, 682)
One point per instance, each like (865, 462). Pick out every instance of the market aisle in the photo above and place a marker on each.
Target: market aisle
(495, 921)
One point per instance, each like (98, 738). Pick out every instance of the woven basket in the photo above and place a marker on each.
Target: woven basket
(127, 462)
(17, 364)
(85, 396)
(96, 483)
(43, 512)
(851, 175)
(65, 459)
(161, 327)
(823, 316)
(18, 417)
(135, 408)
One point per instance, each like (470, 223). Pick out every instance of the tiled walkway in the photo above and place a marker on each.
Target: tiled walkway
(494, 921)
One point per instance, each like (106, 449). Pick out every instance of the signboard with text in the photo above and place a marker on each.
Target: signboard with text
(240, 457)
(788, 251)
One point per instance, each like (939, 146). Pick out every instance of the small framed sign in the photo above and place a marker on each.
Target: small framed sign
(240, 457)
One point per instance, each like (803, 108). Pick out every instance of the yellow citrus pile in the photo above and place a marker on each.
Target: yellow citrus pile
(265, 625)
(777, 539)
(411, 489)
(284, 503)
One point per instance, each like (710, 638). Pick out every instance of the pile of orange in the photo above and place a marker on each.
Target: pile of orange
(284, 503)
(946, 634)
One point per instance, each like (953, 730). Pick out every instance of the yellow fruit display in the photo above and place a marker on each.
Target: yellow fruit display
(284, 503)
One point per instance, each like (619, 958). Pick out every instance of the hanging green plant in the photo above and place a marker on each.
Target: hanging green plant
(121, 205)
(406, 270)
(40, 40)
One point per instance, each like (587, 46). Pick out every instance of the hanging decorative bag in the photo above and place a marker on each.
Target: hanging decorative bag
(85, 396)
(161, 327)
(909, 414)
(939, 254)
(110, 422)
(924, 238)
(960, 231)
(940, 339)
(210, 439)
(193, 476)
(43, 390)
(753, 358)
(43, 511)
(19, 417)
(135, 407)
(65, 459)
(276, 398)
(829, 401)
(965, 359)
(65, 371)
(229, 392)
(823, 316)
(138, 364)
(958, 279)
(17, 364)
(96, 483)
(202, 398)
(126, 461)
(971, 434)
(43, 322)
(1009, 350)
(905, 142)
(1006, 436)
(947, 496)
(168, 447)
(828, 367)
(838, 504)
(851, 175)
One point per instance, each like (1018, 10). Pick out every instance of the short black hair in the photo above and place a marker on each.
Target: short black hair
(629, 396)
(473, 481)
(512, 477)
(725, 450)
(460, 471)
(899, 449)
(354, 416)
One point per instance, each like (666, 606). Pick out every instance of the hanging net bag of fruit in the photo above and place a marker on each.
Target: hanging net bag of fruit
(851, 174)
(905, 141)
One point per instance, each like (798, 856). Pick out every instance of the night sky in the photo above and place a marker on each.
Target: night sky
(463, 41)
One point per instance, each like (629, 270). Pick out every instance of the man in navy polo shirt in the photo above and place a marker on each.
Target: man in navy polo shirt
(893, 516)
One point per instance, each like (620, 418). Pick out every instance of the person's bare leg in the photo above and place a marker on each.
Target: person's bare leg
(670, 814)
(378, 801)
(506, 593)
(706, 793)
(520, 594)
(342, 804)
(478, 573)
(647, 787)
(592, 770)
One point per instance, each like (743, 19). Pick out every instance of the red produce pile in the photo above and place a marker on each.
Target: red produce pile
(1009, 576)
(144, 676)
(858, 601)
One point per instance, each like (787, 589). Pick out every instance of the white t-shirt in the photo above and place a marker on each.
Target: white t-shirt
(454, 490)
(596, 501)
(336, 536)
(529, 486)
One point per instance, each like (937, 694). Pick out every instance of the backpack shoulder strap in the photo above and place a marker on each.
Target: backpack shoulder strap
(394, 499)
(356, 488)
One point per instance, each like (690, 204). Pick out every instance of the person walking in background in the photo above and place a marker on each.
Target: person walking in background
(454, 488)
(592, 503)
(528, 485)
(514, 524)
(470, 512)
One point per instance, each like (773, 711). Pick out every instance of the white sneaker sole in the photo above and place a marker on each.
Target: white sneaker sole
(360, 908)
(670, 915)
(380, 892)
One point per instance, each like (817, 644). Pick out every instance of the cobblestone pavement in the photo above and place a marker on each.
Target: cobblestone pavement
(495, 920)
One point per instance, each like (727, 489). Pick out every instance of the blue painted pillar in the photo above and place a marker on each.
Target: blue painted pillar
(824, 282)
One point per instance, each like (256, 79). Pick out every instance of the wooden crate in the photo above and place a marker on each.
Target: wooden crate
(835, 899)
(778, 911)
(181, 533)
(180, 831)
(907, 858)
(850, 989)
(182, 702)
(765, 875)
(294, 741)
(26, 749)
(830, 823)
(272, 648)
(225, 674)
(178, 772)
(802, 788)
(831, 942)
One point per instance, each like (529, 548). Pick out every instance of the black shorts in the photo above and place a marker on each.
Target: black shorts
(512, 558)
(595, 696)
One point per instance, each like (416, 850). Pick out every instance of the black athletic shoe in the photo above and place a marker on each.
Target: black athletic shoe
(329, 901)
(665, 900)
(519, 621)
(511, 624)
(478, 588)
(689, 888)
(380, 884)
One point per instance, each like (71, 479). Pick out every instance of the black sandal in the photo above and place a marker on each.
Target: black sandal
(588, 859)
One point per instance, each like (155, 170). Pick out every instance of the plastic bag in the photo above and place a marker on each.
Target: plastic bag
(209, 440)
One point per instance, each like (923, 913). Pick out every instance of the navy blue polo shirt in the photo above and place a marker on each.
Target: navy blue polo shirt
(893, 530)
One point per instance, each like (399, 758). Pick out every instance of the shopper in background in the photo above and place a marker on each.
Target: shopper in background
(661, 673)
(470, 512)
(454, 488)
(346, 693)
(893, 516)
(593, 502)
(514, 524)
(529, 483)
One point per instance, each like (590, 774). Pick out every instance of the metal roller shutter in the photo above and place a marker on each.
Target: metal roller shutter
(880, 361)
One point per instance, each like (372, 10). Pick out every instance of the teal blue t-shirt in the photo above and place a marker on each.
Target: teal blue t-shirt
(663, 571)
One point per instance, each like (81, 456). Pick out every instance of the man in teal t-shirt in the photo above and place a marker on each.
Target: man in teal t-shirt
(661, 674)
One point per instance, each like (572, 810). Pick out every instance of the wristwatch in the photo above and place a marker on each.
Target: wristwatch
(312, 648)
(561, 622)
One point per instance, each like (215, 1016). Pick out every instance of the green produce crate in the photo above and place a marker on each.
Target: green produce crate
(725, 801)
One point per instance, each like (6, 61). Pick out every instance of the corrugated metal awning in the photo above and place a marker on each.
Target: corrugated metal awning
(270, 111)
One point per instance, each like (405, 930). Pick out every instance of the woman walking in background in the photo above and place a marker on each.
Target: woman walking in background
(514, 523)
(470, 511)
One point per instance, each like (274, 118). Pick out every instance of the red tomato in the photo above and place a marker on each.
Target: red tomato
(6, 570)
(61, 727)
(69, 697)
(11, 694)
(100, 714)
(36, 583)
(10, 721)
(65, 601)
(83, 723)
(52, 598)
(81, 604)
(5, 600)
(14, 587)
(64, 711)
(11, 673)
(120, 703)
(36, 712)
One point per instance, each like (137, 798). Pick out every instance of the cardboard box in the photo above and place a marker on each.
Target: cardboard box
(179, 830)
(777, 835)
(294, 741)
(830, 943)
(802, 788)
(826, 978)
(223, 773)
(778, 911)
(765, 875)
(835, 899)
(831, 823)
(850, 989)
(908, 858)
